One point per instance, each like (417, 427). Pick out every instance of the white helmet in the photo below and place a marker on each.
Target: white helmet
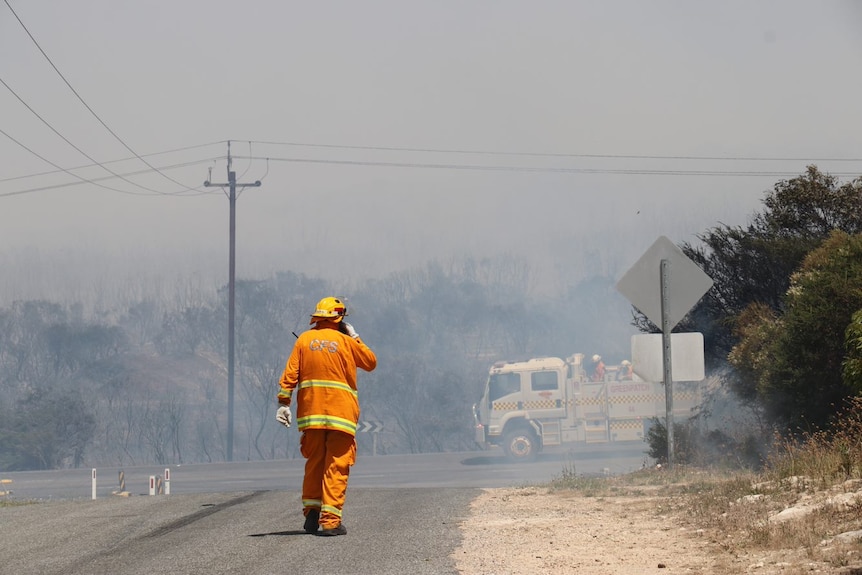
(597, 358)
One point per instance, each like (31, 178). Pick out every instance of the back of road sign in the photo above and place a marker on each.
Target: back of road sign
(642, 283)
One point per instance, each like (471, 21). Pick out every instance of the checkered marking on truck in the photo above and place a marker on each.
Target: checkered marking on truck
(591, 401)
(506, 405)
(588, 401)
(543, 404)
(617, 424)
(632, 398)
(535, 404)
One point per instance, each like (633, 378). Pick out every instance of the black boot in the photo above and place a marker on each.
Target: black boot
(311, 520)
(340, 530)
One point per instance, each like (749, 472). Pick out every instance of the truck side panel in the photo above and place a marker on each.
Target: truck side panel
(591, 408)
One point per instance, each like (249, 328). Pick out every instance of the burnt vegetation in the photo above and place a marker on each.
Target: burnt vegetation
(143, 378)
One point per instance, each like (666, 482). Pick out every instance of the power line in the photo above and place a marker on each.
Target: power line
(534, 169)
(174, 150)
(487, 167)
(83, 180)
(403, 165)
(77, 95)
(65, 139)
(555, 154)
(96, 180)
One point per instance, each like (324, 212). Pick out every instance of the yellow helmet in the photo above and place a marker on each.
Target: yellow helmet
(330, 308)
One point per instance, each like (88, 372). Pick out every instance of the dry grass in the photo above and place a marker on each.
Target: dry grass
(804, 508)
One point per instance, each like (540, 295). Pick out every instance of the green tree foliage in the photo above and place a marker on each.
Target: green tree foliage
(853, 359)
(656, 438)
(795, 358)
(757, 326)
(754, 263)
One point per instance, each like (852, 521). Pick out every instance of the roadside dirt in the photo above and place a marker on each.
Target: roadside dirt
(529, 530)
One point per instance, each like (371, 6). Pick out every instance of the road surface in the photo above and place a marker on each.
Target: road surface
(468, 469)
(402, 515)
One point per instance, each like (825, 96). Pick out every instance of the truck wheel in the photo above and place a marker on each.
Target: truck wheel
(521, 445)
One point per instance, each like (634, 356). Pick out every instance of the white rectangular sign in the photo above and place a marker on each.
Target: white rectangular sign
(686, 354)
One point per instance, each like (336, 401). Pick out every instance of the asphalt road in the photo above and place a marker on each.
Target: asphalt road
(390, 531)
(469, 469)
(402, 515)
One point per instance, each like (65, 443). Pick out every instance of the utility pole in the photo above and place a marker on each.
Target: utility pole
(231, 298)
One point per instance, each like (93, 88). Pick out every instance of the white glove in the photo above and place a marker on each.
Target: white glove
(283, 415)
(348, 329)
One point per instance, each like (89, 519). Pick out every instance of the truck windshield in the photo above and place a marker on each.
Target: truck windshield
(501, 384)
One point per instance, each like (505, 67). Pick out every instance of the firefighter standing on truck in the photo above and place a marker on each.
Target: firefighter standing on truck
(625, 371)
(598, 369)
(322, 370)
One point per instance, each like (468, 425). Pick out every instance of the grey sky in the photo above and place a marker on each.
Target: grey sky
(669, 80)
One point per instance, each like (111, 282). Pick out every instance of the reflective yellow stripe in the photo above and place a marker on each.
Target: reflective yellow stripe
(311, 503)
(327, 422)
(331, 509)
(285, 394)
(330, 384)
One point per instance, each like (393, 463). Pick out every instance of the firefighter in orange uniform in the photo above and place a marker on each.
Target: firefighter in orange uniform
(598, 369)
(322, 371)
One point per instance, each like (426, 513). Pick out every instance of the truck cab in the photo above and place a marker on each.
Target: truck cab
(523, 405)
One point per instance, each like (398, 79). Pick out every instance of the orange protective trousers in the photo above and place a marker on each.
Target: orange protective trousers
(329, 455)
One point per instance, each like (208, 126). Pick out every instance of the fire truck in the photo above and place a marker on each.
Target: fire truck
(543, 402)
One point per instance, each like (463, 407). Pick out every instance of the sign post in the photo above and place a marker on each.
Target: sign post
(667, 362)
(681, 283)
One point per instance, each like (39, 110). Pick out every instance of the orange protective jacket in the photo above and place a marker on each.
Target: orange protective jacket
(322, 370)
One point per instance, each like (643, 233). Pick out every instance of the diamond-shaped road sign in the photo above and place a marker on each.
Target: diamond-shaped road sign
(642, 283)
